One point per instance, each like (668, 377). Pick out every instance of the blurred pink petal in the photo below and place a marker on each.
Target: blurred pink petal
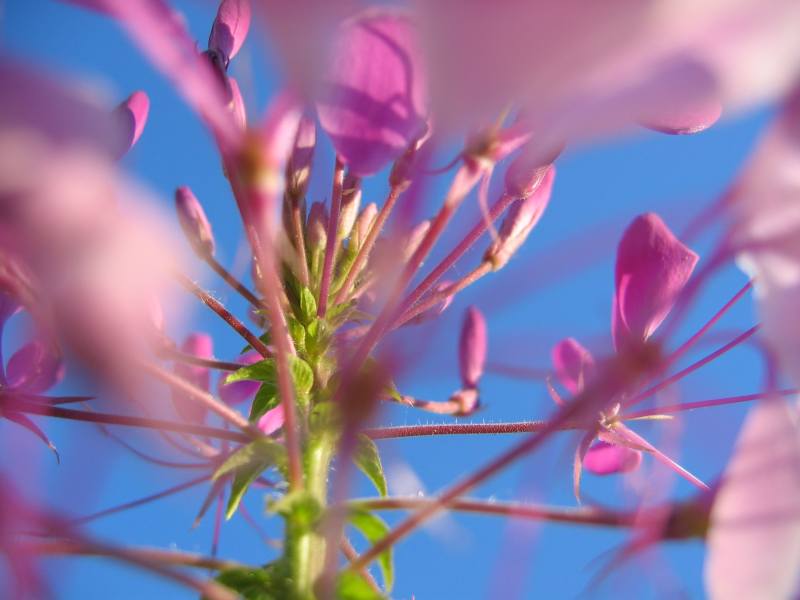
(472, 347)
(240, 391)
(236, 105)
(34, 368)
(652, 268)
(194, 222)
(132, 116)
(603, 458)
(753, 543)
(573, 363)
(202, 346)
(230, 27)
(372, 103)
(271, 421)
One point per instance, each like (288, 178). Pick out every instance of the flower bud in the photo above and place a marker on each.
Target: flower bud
(414, 239)
(402, 171)
(317, 226)
(298, 168)
(518, 223)
(351, 202)
(472, 347)
(525, 174)
(194, 222)
(466, 400)
(364, 223)
(34, 368)
(230, 28)
(131, 115)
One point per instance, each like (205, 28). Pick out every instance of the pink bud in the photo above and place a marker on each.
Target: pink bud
(230, 28)
(364, 222)
(351, 202)
(608, 459)
(527, 171)
(402, 171)
(240, 391)
(34, 368)
(131, 116)
(522, 217)
(201, 346)
(271, 421)
(317, 226)
(573, 364)
(194, 222)
(652, 268)
(472, 347)
(414, 239)
(298, 168)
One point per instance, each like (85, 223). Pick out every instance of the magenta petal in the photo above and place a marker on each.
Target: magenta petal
(132, 116)
(271, 421)
(573, 364)
(201, 346)
(373, 99)
(472, 347)
(754, 536)
(230, 27)
(34, 368)
(652, 268)
(686, 115)
(240, 391)
(608, 459)
(8, 307)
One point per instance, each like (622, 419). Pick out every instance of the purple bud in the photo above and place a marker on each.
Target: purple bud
(230, 28)
(199, 345)
(402, 171)
(518, 223)
(131, 116)
(194, 222)
(351, 202)
(298, 168)
(527, 172)
(317, 226)
(472, 347)
(34, 368)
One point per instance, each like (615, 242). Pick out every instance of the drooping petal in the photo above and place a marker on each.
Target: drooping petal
(603, 458)
(573, 363)
(652, 268)
(271, 421)
(372, 103)
(240, 391)
(472, 347)
(230, 27)
(202, 346)
(34, 368)
(132, 117)
(754, 536)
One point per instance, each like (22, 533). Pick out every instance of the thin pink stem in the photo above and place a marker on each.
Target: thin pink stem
(211, 363)
(232, 281)
(333, 237)
(676, 408)
(383, 433)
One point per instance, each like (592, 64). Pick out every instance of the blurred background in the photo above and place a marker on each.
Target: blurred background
(559, 285)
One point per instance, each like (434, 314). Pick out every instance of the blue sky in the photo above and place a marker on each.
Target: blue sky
(559, 285)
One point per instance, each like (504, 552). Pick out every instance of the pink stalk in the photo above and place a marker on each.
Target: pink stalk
(333, 237)
(232, 281)
(383, 433)
(686, 406)
(211, 363)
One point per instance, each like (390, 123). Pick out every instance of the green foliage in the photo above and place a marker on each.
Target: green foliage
(351, 586)
(264, 337)
(369, 461)
(266, 399)
(266, 372)
(273, 582)
(301, 508)
(308, 306)
(373, 528)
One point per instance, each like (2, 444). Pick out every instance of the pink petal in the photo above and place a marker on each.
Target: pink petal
(271, 421)
(34, 368)
(573, 363)
(132, 116)
(194, 222)
(240, 391)
(698, 109)
(373, 99)
(652, 268)
(236, 105)
(230, 27)
(754, 536)
(200, 345)
(609, 459)
(472, 347)
(8, 307)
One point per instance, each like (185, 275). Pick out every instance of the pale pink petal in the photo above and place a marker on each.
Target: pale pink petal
(699, 110)
(240, 391)
(236, 105)
(754, 536)
(372, 103)
(652, 268)
(603, 458)
(573, 363)
(194, 222)
(34, 368)
(132, 116)
(271, 421)
(230, 27)
(202, 346)
(472, 347)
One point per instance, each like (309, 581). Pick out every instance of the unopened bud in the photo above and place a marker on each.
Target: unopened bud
(520, 220)
(414, 239)
(351, 202)
(466, 401)
(298, 168)
(528, 170)
(230, 28)
(194, 222)
(364, 223)
(402, 171)
(472, 347)
(317, 226)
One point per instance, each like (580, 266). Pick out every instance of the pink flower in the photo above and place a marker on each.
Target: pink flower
(472, 348)
(240, 391)
(230, 28)
(132, 117)
(573, 363)
(271, 421)
(604, 458)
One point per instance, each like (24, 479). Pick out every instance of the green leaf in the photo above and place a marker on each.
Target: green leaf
(308, 306)
(298, 333)
(351, 586)
(273, 582)
(302, 374)
(264, 337)
(301, 508)
(373, 528)
(338, 313)
(266, 399)
(263, 370)
(369, 461)
(247, 463)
